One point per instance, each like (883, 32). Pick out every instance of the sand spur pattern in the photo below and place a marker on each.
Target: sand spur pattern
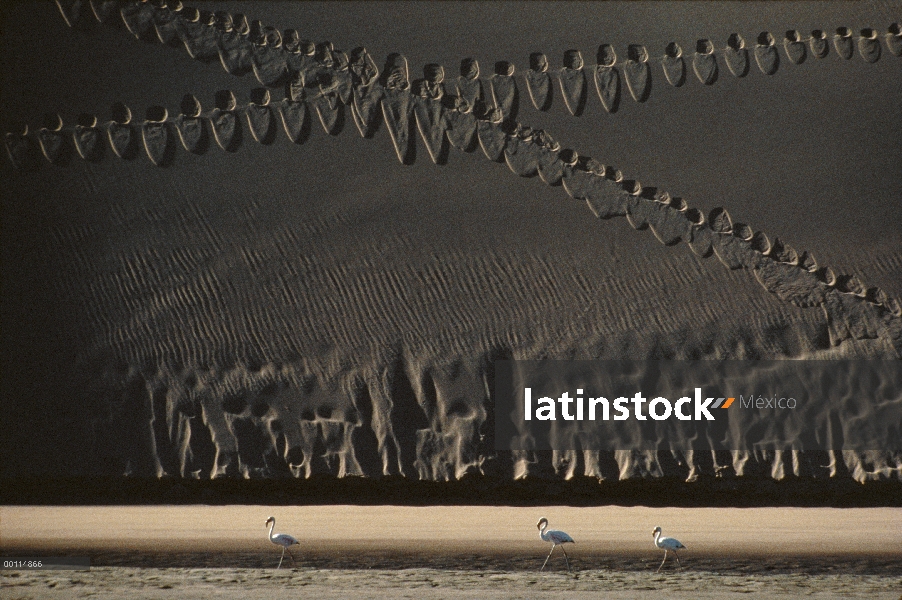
(347, 414)
(326, 81)
(273, 56)
(327, 63)
(527, 153)
(322, 77)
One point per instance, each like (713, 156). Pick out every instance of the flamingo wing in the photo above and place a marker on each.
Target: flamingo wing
(283, 539)
(670, 544)
(559, 537)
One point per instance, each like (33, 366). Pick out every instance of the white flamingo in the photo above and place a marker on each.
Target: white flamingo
(668, 544)
(556, 538)
(281, 539)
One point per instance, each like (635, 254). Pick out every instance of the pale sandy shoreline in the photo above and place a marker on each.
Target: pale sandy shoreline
(452, 552)
(505, 538)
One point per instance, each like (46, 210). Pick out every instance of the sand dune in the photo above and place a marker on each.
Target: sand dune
(224, 327)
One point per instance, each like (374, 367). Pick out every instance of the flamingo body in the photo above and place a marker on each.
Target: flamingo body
(556, 538)
(669, 545)
(281, 539)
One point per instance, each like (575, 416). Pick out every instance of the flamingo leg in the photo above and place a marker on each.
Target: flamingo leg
(675, 553)
(280, 558)
(547, 557)
(291, 556)
(662, 562)
(567, 558)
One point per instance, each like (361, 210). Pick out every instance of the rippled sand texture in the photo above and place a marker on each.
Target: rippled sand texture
(273, 257)
(236, 583)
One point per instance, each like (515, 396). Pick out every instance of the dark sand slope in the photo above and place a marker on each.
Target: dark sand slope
(275, 310)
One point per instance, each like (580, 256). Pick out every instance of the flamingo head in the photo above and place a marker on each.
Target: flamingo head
(542, 521)
(656, 531)
(270, 520)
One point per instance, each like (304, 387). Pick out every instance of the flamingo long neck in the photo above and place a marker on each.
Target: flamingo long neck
(658, 539)
(272, 525)
(542, 533)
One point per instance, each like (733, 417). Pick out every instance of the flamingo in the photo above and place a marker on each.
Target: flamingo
(668, 544)
(556, 538)
(281, 539)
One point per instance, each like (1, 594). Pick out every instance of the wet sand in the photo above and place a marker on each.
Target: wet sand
(495, 552)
